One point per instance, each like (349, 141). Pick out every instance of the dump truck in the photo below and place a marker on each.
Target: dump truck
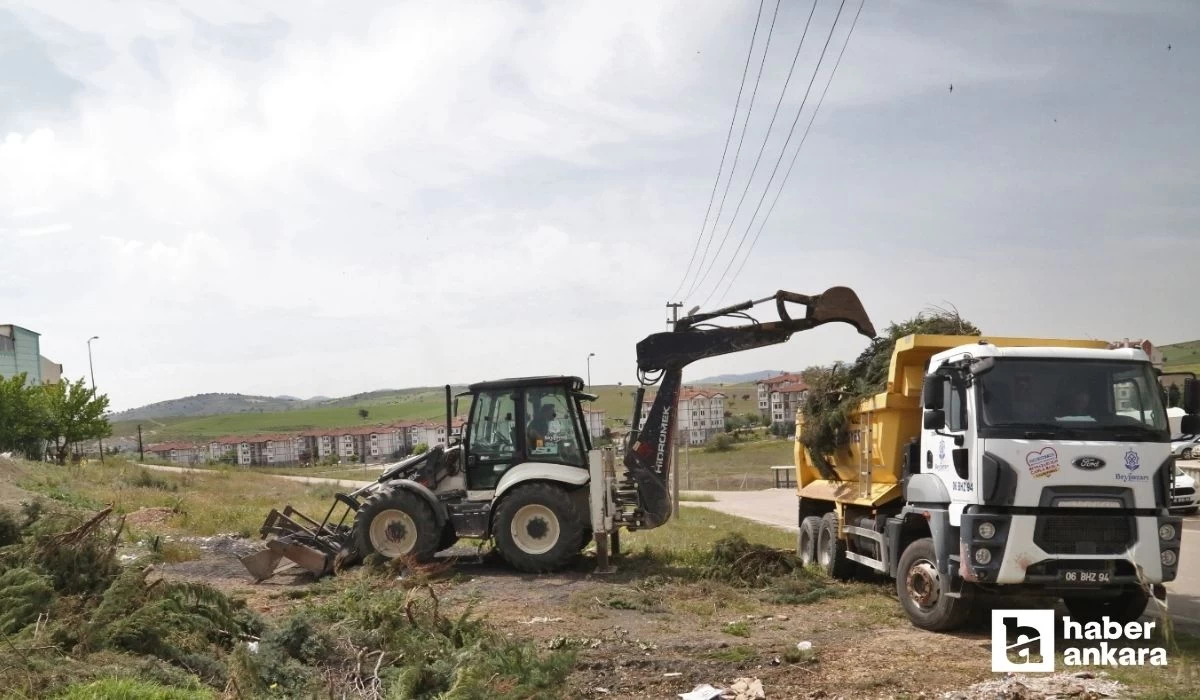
(526, 475)
(1001, 465)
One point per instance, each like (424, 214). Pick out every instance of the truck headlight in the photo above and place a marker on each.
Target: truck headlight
(987, 530)
(1168, 557)
(983, 556)
(1166, 532)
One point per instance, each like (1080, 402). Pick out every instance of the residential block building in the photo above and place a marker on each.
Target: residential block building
(766, 387)
(786, 399)
(700, 416)
(21, 352)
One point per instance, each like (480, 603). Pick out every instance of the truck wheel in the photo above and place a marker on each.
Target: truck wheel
(922, 594)
(396, 523)
(831, 552)
(1125, 607)
(537, 529)
(806, 541)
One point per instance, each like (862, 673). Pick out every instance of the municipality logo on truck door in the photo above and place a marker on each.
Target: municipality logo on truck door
(1023, 641)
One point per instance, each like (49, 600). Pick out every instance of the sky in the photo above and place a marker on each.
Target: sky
(319, 198)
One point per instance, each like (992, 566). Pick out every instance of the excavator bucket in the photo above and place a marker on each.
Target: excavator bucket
(304, 542)
(836, 304)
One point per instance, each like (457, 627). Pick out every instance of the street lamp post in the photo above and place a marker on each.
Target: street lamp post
(589, 368)
(92, 372)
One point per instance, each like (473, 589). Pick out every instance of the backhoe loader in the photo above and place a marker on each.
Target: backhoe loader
(526, 474)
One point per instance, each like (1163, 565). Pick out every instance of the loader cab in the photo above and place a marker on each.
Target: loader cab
(515, 421)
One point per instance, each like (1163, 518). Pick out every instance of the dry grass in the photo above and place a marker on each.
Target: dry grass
(202, 503)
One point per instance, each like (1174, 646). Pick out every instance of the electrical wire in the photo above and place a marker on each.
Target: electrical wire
(782, 152)
(757, 160)
(738, 151)
(803, 138)
(728, 137)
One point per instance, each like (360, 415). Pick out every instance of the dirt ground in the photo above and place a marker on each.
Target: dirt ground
(10, 495)
(641, 636)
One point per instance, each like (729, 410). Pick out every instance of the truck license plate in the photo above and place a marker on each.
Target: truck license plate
(1074, 576)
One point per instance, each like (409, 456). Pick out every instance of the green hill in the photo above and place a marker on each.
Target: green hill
(382, 407)
(1182, 357)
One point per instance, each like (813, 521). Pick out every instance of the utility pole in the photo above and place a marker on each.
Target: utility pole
(674, 307)
(92, 371)
(141, 451)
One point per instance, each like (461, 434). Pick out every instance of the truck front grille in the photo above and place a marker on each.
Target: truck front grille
(1185, 491)
(1084, 534)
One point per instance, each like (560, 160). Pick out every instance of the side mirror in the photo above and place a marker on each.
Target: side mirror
(933, 392)
(959, 455)
(983, 365)
(935, 419)
(1191, 396)
(1190, 424)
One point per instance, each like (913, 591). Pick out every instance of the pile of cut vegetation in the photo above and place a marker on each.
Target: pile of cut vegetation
(75, 623)
(835, 391)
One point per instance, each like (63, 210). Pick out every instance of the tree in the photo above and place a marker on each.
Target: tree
(420, 448)
(23, 421)
(74, 414)
(363, 413)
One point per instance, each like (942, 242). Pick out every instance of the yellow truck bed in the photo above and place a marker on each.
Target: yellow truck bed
(885, 422)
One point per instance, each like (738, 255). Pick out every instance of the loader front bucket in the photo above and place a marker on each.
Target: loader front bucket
(304, 542)
(262, 565)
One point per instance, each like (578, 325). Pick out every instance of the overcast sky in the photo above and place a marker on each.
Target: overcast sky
(323, 198)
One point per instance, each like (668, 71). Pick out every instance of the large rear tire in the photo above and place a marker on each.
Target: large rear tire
(923, 594)
(806, 541)
(1127, 606)
(396, 523)
(537, 528)
(831, 552)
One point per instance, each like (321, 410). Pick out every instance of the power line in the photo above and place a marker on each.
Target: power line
(761, 150)
(795, 156)
(782, 152)
(738, 151)
(732, 120)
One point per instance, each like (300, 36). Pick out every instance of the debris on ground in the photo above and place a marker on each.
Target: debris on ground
(1083, 685)
(736, 560)
(702, 692)
(746, 689)
(541, 620)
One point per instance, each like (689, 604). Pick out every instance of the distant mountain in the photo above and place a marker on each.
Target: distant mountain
(210, 405)
(747, 378)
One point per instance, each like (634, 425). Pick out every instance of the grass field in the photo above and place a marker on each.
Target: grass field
(746, 467)
(382, 407)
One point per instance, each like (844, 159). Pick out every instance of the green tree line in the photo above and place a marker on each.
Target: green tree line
(40, 418)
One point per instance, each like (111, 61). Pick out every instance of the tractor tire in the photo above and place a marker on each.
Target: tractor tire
(806, 540)
(1127, 606)
(537, 528)
(831, 552)
(449, 538)
(396, 523)
(921, 593)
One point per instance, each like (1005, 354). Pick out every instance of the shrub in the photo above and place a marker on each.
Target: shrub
(721, 443)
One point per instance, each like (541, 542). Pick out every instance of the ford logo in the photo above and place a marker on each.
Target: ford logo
(1088, 463)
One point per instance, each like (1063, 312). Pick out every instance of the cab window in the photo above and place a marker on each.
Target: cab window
(551, 432)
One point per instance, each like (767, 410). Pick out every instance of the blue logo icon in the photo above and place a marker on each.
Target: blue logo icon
(1131, 460)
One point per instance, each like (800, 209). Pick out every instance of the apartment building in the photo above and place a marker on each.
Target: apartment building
(20, 352)
(767, 386)
(787, 398)
(701, 415)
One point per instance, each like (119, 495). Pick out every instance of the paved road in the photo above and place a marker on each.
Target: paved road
(344, 483)
(778, 507)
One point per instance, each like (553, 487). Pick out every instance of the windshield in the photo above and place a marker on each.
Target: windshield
(1084, 399)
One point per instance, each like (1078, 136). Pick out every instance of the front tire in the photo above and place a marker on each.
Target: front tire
(923, 594)
(806, 541)
(396, 523)
(537, 528)
(1128, 606)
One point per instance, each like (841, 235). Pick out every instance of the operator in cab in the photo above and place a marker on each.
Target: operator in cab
(539, 426)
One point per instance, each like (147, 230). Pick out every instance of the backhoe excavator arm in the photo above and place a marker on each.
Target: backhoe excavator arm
(648, 457)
